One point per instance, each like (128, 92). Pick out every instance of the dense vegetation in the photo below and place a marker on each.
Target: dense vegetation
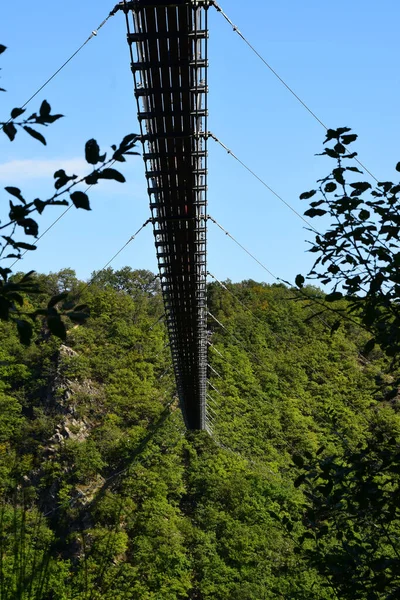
(104, 495)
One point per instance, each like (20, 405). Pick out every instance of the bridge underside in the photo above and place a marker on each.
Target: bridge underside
(168, 43)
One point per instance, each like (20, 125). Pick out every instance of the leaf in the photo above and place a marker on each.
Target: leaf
(369, 346)
(299, 480)
(112, 174)
(364, 215)
(25, 246)
(56, 299)
(27, 277)
(57, 327)
(331, 134)
(14, 297)
(331, 153)
(299, 281)
(360, 187)
(339, 148)
(81, 308)
(78, 317)
(35, 134)
(10, 131)
(52, 118)
(2, 48)
(39, 205)
(348, 139)
(4, 308)
(330, 187)
(4, 273)
(128, 139)
(45, 109)
(338, 175)
(341, 130)
(30, 226)
(16, 192)
(298, 460)
(398, 166)
(315, 212)
(16, 112)
(80, 200)
(333, 297)
(307, 195)
(25, 331)
(92, 179)
(92, 152)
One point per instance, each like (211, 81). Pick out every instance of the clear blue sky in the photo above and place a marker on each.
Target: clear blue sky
(340, 57)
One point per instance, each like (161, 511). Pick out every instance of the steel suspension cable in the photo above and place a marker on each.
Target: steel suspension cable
(244, 249)
(253, 49)
(93, 279)
(313, 300)
(289, 206)
(91, 36)
(282, 81)
(53, 223)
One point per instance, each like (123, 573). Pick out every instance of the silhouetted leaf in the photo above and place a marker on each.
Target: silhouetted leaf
(10, 130)
(57, 327)
(35, 134)
(25, 331)
(56, 299)
(333, 297)
(40, 205)
(25, 246)
(330, 187)
(331, 153)
(16, 112)
(315, 212)
(45, 109)
(2, 48)
(348, 139)
(30, 226)
(112, 174)
(298, 460)
(92, 152)
(335, 326)
(307, 195)
(299, 281)
(339, 148)
(354, 169)
(80, 200)
(16, 192)
(92, 179)
(299, 480)
(364, 215)
(4, 308)
(369, 346)
(360, 187)
(78, 317)
(338, 175)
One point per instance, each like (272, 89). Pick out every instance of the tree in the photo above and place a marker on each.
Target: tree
(352, 513)
(359, 254)
(22, 220)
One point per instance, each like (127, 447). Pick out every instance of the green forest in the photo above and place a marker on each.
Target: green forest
(104, 495)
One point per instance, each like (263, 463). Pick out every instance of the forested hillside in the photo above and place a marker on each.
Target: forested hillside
(105, 496)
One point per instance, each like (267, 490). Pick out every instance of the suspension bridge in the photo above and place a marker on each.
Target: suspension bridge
(168, 47)
(169, 61)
